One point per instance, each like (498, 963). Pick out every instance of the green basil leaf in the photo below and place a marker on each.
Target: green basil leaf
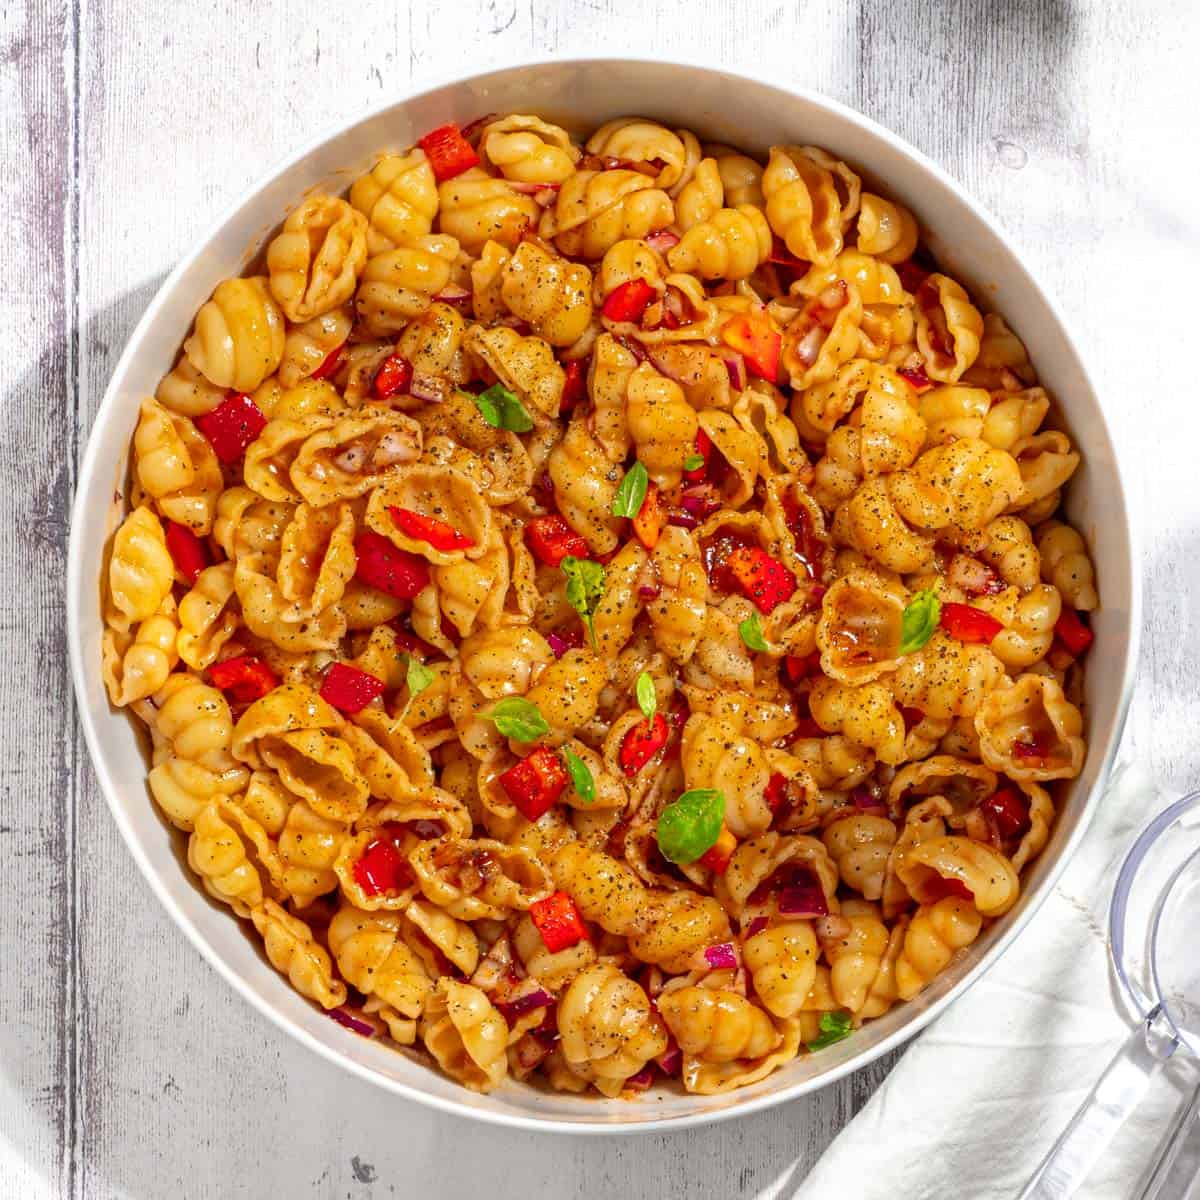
(693, 462)
(581, 777)
(502, 410)
(833, 1027)
(631, 493)
(647, 698)
(691, 825)
(919, 621)
(418, 676)
(585, 588)
(752, 633)
(518, 719)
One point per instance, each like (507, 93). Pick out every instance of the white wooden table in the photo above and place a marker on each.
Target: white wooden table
(126, 1068)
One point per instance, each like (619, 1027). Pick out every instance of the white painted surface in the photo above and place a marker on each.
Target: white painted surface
(126, 1068)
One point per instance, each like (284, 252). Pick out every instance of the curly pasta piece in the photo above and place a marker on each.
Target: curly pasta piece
(1046, 461)
(176, 466)
(238, 337)
(133, 668)
(596, 209)
(371, 955)
(886, 229)
(226, 850)
(716, 755)
(741, 176)
(1030, 731)
(553, 969)
(716, 1025)
(525, 365)
(309, 345)
(605, 890)
(528, 149)
(446, 495)
(662, 424)
(860, 843)
(859, 631)
(964, 484)
(353, 456)
(677, 613)
(857, 956)
(782, 961)
(585, 485)
(947, 678)
(400, 284)
(949, 328)
(294, 952)
(1015, 418)
(637, 139)
(954, 411)
(823, 334)
(803, 205)
(936, 932)
(314, 262)
(1029, 624)
(1041, 817)
(549, 293)
(475, 878)
(399, 198)
(206, 620)
(984, 872)
(1011, 552)
(701, 198)
(140, 570)
(1066, 564)
(730, 244)
(608, 1027)
(866, 714)
(308, 847)
(185, 390)
(474, 208)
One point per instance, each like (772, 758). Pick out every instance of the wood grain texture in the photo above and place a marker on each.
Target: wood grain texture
(126, 1068)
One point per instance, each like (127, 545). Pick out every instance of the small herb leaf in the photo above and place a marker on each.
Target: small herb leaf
(752, 633)
(693, 462)
(919, 621)
(585, 587)
(691, 825)
(581, 777)
(518, 719)
(833, 1027)
(647, 698)
(502, 410)
(631, 493)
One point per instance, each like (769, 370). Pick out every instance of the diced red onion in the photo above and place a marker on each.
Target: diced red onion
(735, 364)
(395, 447)
(685, 520)
(864, 801)
(352, 459)
(642, 1080)
(662, 241)
(671, 1059)
(530, 1050)
(700, 500)
(343, 1016)
(511, 1010)
(633, 346)
(649, 591)
(558, 644)
(809, 348)
(427, 830)
(430, 388)
(721, 956)
(756, 926)
(803, 897)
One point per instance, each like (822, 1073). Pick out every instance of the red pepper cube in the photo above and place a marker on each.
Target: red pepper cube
(574, 385)
(382, 868)
(1073, 632)
(642, 743)
(449, 153)
(758, 342)
(232, 426)
(386, 567)
(798, 667)
(188, 552)
(916, 377)
(1009, 811)
(419, 527)
(393, 378)
(716, 857)
(551, 539)
(968, 624)
(763, 580)
(651, 518)
(775, 792)
(940, 887)
(558, 921)
(243, 679)
(330, 363)
(704, 449)
(628, 302)
(350, 690)
(535, 783)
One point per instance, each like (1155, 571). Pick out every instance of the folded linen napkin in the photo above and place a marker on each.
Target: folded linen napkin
(979, 1098)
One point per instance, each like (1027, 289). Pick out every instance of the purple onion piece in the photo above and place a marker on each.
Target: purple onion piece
(343, 1016)
(721, 956)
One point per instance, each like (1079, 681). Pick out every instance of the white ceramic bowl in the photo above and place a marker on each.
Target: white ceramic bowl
(721, 107)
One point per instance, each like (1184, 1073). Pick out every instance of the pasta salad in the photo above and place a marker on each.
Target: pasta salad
(600, 609)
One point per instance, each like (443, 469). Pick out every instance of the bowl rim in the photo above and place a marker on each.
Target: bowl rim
(85, 485)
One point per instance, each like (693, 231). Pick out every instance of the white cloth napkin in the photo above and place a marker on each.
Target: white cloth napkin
(979, 1098)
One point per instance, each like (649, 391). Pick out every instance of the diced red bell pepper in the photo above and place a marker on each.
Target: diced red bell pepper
(188, 552)
(330, 363)
(628, 302)
(642, 743)
(574, 390)
(1070, 627)
(449, 153)
(232, 426)
(243, 679)
(535, 783)
(651, 518)
(438, 534)
(806, 727)
(775, 792)
(393, 378)
(716, 857)
(558, 920)
(348, 689)
(704, 449)
(764, 580)
(1038, 746)
(912, 717)
(388, 568)
(758, 342)
(551, 539)
(940, 887)
(969, 624)
(915, 376)
(382, 868)
(1009, 811)
(798, 667)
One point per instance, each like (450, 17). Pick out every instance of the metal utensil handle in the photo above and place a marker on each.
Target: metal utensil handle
(1117, 1093)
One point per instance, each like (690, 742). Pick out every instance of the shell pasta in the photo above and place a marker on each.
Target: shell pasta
(600, 606)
